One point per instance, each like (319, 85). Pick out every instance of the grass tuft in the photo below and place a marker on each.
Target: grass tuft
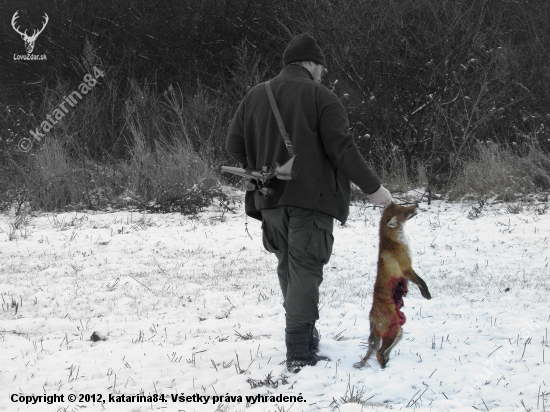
(268, 381)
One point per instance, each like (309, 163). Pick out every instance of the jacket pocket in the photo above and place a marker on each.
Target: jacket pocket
(322, 239)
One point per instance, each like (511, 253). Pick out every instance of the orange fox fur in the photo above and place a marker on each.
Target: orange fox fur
(394, 272)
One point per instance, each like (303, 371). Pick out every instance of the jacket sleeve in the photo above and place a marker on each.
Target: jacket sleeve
(341, 149)
(234, 143)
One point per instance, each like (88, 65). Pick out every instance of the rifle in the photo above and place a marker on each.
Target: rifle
(286, 171)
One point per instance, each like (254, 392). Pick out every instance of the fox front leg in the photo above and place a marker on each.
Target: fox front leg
(417, 280)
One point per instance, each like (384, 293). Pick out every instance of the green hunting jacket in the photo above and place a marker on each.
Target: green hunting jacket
(318, 127)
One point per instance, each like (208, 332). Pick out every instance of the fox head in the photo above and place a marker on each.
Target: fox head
(395, 216)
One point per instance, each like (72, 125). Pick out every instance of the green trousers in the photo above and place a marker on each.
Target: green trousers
(302, 241)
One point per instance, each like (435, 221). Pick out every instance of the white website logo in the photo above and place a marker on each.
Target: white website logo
(29, 40)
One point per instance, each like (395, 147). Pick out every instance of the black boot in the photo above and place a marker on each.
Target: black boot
(314, 340)
(298, 349)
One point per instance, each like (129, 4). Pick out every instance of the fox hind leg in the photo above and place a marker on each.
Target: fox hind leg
(374, 344)
(388, 343)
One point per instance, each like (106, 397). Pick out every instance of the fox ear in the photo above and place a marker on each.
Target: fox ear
(392, 222)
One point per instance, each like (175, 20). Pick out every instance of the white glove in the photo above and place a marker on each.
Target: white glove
(381, 197)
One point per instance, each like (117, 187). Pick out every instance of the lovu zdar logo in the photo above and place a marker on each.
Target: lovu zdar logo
(29, 40)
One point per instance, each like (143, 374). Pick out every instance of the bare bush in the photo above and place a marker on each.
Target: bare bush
(425, 79)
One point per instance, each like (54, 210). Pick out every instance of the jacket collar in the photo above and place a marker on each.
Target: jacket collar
(296, 71)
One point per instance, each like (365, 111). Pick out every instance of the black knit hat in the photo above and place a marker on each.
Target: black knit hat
(303, 48)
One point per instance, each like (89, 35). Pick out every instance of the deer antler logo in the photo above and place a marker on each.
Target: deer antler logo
(29, 40)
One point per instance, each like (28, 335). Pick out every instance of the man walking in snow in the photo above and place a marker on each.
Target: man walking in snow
(297, 218)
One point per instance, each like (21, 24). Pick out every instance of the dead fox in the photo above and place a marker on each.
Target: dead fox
(394, 272)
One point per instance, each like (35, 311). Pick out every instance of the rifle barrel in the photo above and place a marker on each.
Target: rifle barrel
(251, 174)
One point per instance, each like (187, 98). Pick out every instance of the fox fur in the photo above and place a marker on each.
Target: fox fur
(394, 272)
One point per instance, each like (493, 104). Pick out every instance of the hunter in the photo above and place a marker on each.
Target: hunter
(298, 215)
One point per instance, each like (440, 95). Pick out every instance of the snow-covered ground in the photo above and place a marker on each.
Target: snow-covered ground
(190, 308)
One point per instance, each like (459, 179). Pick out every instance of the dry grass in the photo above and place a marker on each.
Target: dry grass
(396, 177)
(165, 172)
(496, 171)
(56, 181)
(163, 165)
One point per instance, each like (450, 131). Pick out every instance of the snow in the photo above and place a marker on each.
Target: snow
(191, 307)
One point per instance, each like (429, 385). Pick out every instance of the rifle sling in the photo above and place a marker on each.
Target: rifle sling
(275, 109)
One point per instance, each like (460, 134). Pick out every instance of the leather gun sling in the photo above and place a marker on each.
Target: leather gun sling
(275, 109)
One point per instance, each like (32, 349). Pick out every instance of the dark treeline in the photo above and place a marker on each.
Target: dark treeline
(425, 82)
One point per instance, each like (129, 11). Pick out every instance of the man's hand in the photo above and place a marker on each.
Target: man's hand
(381, 197)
